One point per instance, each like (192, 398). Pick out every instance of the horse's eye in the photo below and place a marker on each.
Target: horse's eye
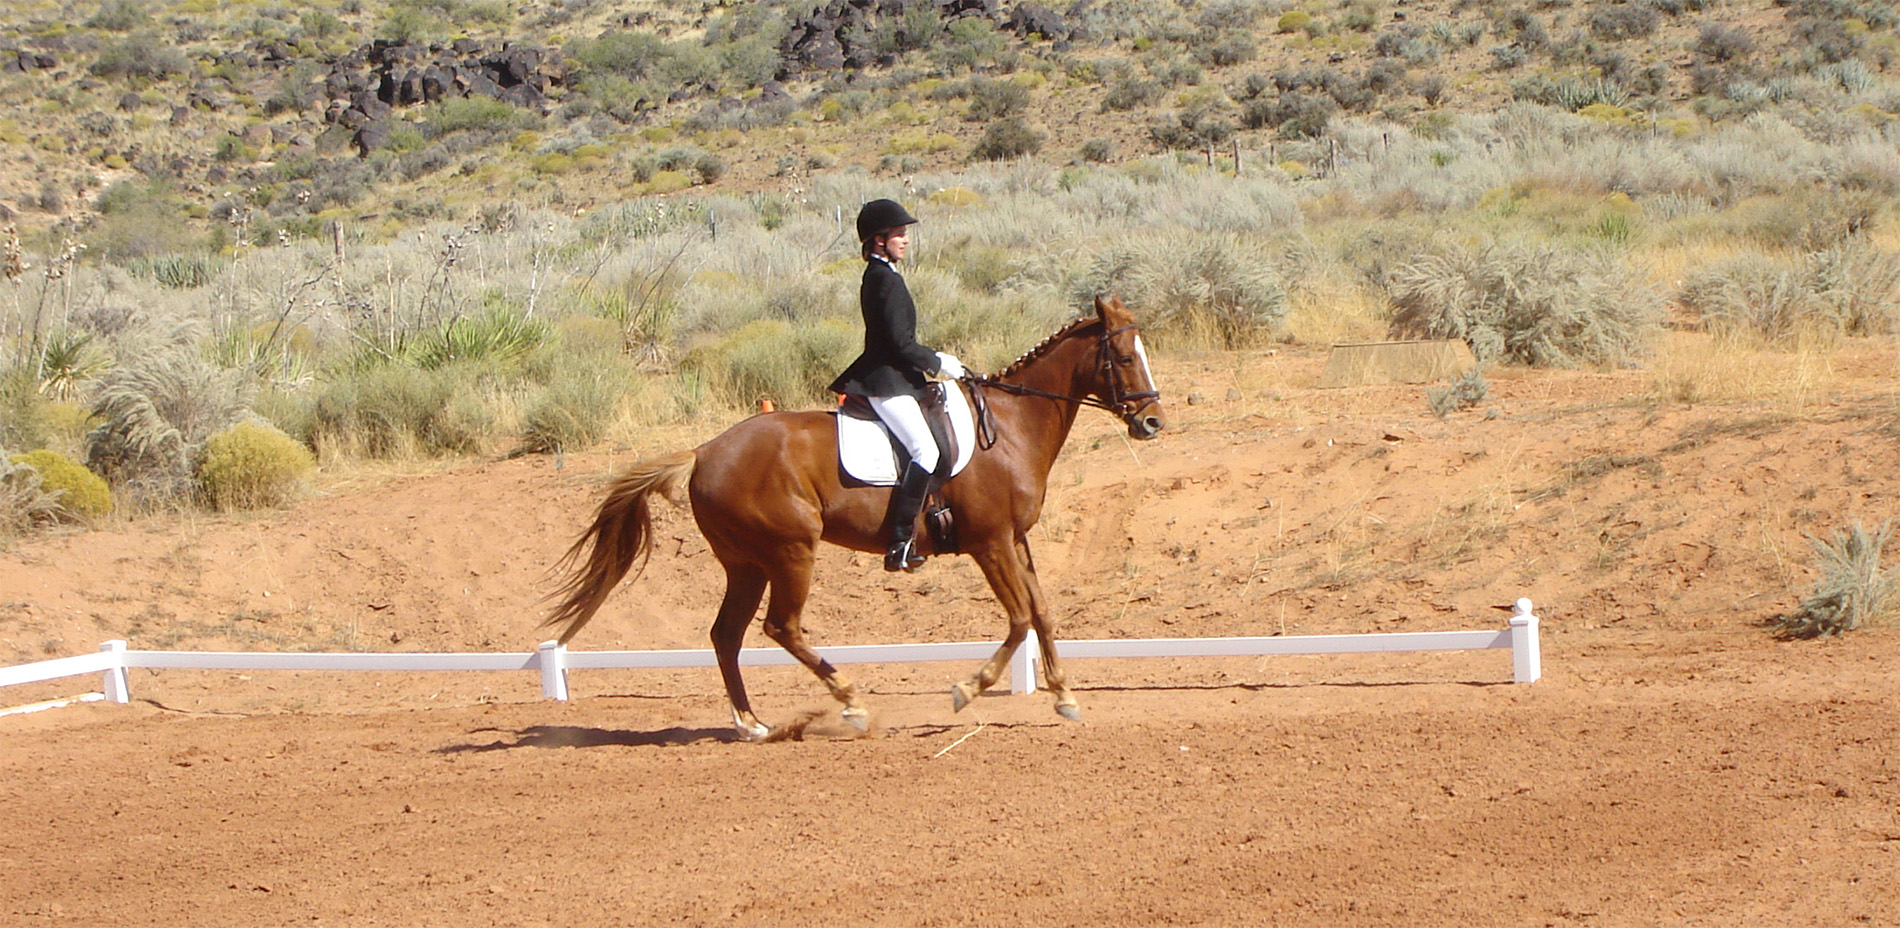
(1127, 359)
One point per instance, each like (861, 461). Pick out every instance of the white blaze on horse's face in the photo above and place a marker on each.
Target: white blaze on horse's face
(1141, 357)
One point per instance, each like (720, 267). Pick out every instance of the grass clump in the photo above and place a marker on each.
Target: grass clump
(24, 502)
(252, 465)
(1854, 589)
(155, 417)
(1465, 392)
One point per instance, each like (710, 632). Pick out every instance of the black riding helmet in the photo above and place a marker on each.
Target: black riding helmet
(882, 216)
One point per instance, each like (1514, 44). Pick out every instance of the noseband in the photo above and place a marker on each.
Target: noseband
(1121, 402)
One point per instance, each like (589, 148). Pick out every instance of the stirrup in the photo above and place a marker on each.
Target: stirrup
(902, 556)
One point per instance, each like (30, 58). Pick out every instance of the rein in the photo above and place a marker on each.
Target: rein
(1123, 403)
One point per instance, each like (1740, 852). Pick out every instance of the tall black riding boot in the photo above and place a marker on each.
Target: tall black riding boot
(907, 500)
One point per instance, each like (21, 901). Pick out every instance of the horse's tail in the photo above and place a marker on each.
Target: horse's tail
(622, 533)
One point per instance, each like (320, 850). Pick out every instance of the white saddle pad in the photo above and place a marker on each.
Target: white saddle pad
(865, 450)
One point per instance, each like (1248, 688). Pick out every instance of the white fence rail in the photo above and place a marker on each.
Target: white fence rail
(553, 661)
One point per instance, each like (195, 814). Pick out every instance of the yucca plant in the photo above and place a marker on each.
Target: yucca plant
(68, 361)
(1854, 589)
(499, 335)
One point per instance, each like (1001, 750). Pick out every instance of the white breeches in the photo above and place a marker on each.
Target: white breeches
(905, 416)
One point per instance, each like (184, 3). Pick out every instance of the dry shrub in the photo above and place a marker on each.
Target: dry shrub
(80, 492)
(1219, 290)
(252, 465)
(156, 416)
(1850, 289)
(1537, 305)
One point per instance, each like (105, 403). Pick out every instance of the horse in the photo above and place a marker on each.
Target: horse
(765, 492)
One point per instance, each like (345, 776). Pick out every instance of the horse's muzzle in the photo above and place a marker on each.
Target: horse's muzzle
(1147, 424)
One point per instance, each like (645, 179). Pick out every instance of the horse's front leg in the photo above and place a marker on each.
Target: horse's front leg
(1012, 576)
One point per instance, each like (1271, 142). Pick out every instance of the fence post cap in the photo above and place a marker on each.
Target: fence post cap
(549, 646)
(1521, 612)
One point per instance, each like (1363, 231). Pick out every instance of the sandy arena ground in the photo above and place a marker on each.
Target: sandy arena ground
(1677, 765)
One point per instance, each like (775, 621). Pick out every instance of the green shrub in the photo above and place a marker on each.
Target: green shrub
(1854, 589)
(177, 272)
(252, 465)
(1534, 305)
(773, 359)
(578, 406)
(79, 491)
(143, 55)
(456, 114)
(994, 99)
(120, 16)
(1007, 138)
(391, 410)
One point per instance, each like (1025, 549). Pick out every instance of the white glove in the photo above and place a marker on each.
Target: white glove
(949, 368)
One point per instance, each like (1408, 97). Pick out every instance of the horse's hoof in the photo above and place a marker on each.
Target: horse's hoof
(1070, 711)
(961, 695)
(857, 718)
(750, 729)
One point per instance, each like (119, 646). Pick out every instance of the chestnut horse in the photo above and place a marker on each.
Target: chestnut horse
(766, 491)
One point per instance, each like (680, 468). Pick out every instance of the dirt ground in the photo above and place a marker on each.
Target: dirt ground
(1677, 765)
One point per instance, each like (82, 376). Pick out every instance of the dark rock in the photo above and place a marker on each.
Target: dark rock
(1034, 19)
(371, 137)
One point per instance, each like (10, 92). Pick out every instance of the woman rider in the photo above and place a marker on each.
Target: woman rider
(894, 370)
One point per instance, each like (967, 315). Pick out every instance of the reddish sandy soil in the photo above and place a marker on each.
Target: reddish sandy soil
(1677, 765)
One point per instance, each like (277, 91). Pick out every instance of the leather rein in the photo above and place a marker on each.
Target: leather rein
(1122, 403)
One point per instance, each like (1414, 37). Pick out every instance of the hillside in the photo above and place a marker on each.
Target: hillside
(136, 120)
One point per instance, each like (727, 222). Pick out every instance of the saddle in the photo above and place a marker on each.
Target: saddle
(869, 456)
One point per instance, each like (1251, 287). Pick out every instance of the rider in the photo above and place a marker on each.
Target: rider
(893, 370)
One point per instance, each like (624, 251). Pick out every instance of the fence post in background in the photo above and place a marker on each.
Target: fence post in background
(1022, 664)
(117, 685)
(553, 661)
(1527, 664)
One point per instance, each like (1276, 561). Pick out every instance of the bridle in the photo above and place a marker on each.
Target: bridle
(1122, 402)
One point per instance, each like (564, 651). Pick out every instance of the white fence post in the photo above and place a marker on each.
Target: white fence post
(117, 686)
(1022, 664)
(553, 661)
(1527, 663)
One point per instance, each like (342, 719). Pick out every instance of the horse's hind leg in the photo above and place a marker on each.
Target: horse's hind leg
(791, 583)
(745, 585)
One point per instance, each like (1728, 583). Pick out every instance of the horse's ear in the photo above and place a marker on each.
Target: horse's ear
(1109, 307)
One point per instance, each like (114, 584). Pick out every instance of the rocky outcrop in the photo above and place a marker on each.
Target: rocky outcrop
(367, 84)
(838, 35)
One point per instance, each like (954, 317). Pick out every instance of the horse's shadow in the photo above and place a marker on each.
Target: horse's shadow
(575, 736)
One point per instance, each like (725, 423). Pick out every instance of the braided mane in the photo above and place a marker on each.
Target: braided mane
(1046, 344)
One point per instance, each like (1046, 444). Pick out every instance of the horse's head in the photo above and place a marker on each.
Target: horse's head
(1127, 386)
